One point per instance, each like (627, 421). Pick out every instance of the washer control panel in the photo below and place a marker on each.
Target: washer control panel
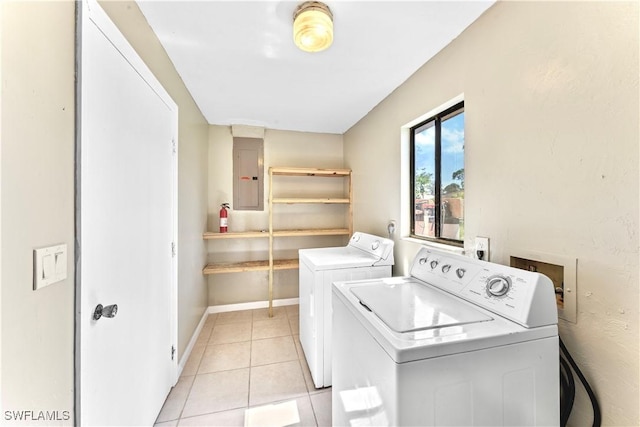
(522, 296)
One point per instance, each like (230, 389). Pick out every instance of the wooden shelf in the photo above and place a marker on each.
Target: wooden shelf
(211, 235)
(306, 172)
(238, 267)
(297, 200)
(310, 172)
(312, 232)
(235, 235)
(344, 198)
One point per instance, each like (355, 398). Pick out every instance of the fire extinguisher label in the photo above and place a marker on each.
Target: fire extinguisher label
(223, 222)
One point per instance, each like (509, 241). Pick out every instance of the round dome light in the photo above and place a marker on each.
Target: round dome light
(313, 26)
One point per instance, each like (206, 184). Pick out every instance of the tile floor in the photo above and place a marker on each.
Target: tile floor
(244, 359)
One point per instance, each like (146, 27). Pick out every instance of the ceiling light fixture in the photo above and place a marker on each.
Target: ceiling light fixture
(313, 26)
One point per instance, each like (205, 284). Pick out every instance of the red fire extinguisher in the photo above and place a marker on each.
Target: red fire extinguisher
(223, 217)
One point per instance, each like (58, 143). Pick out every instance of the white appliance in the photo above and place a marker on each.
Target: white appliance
(365, 257)
(459, 342)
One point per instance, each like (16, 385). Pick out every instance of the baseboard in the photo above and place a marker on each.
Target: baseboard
(192, 342)
(223, 309)
(251, 305)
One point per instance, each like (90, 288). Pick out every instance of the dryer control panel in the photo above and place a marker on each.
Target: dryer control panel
(524, 297)
(378, 246)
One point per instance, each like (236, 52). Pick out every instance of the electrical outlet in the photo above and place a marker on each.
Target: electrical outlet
(482, 247)
(391, 227)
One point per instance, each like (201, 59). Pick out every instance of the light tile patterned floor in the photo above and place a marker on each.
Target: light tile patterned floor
(244, 359)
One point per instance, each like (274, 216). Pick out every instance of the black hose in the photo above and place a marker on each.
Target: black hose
(563, 396)
(597, 418)
(568, 392)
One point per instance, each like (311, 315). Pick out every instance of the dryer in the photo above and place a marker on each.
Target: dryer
(458, 342)
(365, 257)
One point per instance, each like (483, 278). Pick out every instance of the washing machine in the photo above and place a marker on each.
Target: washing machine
(459, 342)
(365, 257)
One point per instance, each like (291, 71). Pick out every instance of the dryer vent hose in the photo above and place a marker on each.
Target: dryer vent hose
(568, 388)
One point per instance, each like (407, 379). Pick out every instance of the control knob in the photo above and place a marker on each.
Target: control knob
(460, 272)
(498, 286)
(434, 264)
(446, 268)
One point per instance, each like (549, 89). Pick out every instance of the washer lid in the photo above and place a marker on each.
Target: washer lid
(408, 307)
(336, 258)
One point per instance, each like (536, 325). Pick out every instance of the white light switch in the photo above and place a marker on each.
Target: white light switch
(49, 265)
(60, 260)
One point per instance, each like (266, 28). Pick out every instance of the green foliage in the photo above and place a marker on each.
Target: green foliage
(423, 184)
(459, 176)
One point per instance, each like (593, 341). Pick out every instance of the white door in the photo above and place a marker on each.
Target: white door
(125, 231)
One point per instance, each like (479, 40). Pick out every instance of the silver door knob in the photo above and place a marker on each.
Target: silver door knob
(108, 311)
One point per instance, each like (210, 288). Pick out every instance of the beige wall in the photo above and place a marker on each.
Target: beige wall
(192, 166)
(552, 135)
(37, 139)
(281, 148)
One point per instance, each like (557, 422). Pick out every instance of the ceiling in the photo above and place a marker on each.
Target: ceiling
(238, 60)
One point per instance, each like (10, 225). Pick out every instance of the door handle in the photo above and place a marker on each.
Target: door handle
(108, 311)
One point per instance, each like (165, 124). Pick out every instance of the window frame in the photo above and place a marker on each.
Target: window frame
(437, 120)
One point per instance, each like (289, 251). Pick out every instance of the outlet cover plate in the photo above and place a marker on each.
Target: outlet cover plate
(482, 244)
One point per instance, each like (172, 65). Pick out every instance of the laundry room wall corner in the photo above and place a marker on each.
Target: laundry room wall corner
(282, 148)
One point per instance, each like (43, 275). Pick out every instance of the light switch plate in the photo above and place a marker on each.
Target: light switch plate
(49, 265)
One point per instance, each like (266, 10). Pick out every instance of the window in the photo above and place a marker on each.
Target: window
(437, 177)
